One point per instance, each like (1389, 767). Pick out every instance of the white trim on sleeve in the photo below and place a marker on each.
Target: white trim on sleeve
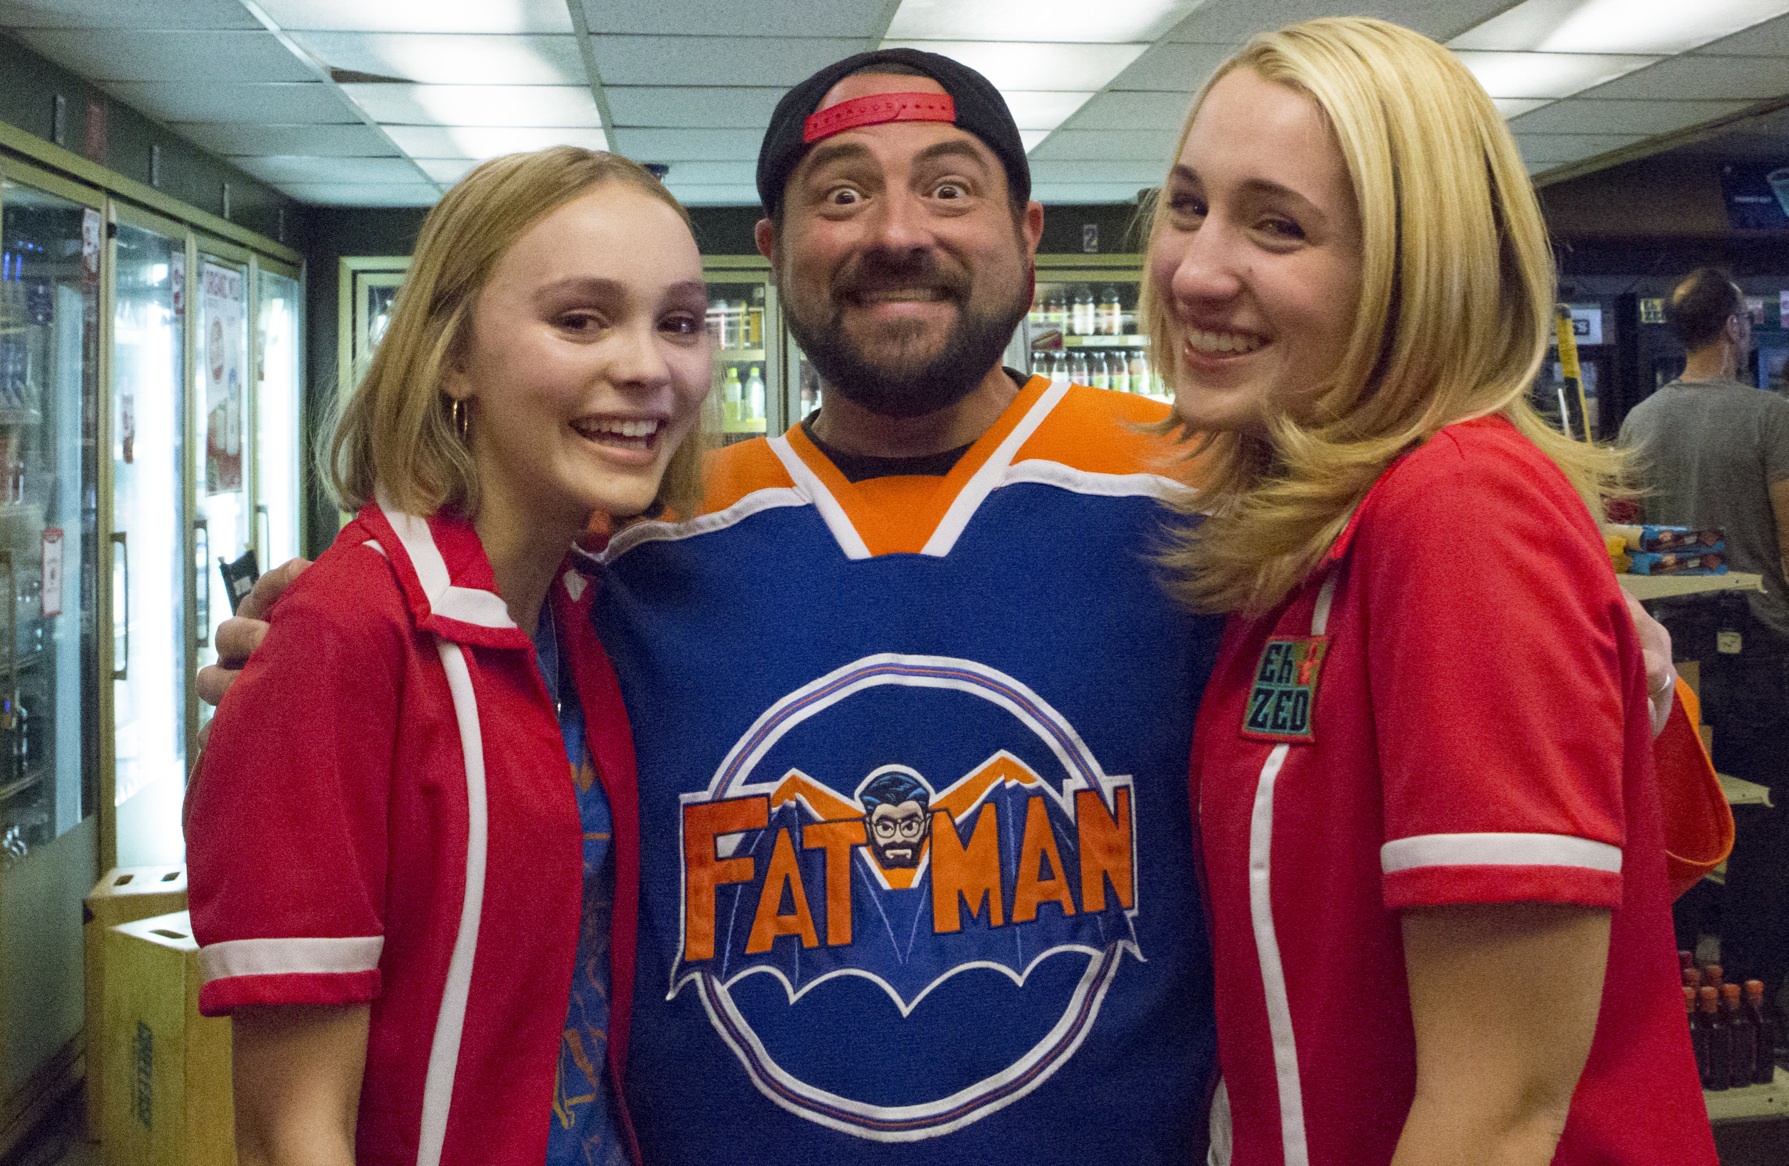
(307, 956)
(1428, 850)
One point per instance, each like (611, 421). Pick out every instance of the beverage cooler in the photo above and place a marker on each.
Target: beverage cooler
(1083, 324)
(746, 325)
(149, 391)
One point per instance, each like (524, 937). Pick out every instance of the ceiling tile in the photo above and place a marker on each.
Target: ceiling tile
(1036, 65)
(860, 19)
(363, 194)
(1132, 174)
(446, 171)
(1061, 20)
(1043, 109)
(691, 108)
(703, 60)
(485, 16)
(1698, 78)
(1547, 74)
(1096, 145)
(1586, 116)
(537, 105)
(1064, 193)
(741, 173)
(135, 14)
(190, 55)
(689, 145)
(309, 102)
(339, 141)
(1517, 106)
(450, 59)
(1179, 69)
(1234, 21)
(280, 169)
(488, 141)
(1133, 111)
(745, 195)
(1544, 149)
(1770, 39)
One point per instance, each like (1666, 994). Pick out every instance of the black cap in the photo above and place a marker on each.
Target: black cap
(980, 111)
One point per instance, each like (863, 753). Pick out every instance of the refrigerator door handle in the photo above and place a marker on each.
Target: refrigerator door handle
(121, 554)
(264, 531)
(202, 585)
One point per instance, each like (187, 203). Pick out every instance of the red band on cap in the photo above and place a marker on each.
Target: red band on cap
(876, 109)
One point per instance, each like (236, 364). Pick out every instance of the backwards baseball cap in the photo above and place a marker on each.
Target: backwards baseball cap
(969, 102)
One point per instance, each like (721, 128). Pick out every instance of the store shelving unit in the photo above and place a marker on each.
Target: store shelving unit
(1751, 1102)
(1645, 587)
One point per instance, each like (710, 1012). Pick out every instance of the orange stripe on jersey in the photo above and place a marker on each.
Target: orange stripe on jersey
(731, 473)
(1104, 433)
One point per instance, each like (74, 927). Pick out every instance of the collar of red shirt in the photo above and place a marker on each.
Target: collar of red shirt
(446, 578)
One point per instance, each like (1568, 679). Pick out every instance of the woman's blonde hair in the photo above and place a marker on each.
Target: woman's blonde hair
(396, 433)
(1453, 319)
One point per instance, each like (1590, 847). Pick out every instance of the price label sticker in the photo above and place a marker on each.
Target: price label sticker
(52, 571)
(1728, 643)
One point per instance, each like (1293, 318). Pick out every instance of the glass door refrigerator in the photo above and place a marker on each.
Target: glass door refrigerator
(148, 595)
(744, 321)
(1083, 324)
(222, 445)
(279, 430)
(51, 243)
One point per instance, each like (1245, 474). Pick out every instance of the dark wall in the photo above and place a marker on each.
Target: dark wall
(29, 85)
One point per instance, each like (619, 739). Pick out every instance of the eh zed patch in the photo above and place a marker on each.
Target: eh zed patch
(1285, 690)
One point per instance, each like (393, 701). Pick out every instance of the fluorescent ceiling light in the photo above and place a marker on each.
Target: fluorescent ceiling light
(446, 171)
(1073, 21)
(451, 59)
(481, 142)
(1547, 75)
(498, 16)
(471, 105)
(1018, 66)
(1660, 27)
(1045, 110)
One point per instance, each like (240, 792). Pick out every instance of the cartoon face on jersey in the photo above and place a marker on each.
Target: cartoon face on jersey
(816, 861)
(895, 799)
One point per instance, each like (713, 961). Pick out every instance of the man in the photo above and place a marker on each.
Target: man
(1714, 452)
(925, 621)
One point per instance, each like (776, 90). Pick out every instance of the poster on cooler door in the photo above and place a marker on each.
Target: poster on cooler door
(221, 323)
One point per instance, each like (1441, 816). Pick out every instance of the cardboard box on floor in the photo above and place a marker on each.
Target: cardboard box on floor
(167, 1090)
(124, 894)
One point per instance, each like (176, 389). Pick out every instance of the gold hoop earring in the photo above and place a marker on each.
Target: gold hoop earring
(457, 416)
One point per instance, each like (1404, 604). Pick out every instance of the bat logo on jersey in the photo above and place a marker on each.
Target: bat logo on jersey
(1285, 690)
(801, 872)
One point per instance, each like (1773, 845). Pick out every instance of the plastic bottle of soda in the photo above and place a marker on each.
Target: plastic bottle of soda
(1742, 1034)
(1111, 313)
(1078, 372)
(1698, 1034)
(753, 410)
(1719, 1069)
(1120, 371)
(1097, 373)
(1056, 311)
(1765, 1028)
(731, 391)
(1140, 378)
(1081, 316)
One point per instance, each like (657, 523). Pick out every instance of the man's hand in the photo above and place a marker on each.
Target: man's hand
(242, 633)
(1655, 649)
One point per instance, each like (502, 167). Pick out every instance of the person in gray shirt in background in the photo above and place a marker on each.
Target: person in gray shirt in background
(1713, 451)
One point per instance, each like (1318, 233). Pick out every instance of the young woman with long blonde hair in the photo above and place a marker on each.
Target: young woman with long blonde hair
(415, 914)
(1423, 766)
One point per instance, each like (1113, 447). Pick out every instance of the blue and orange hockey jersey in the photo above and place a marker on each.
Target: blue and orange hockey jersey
(918, 878)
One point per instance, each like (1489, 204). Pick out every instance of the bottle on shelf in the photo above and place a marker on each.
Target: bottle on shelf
(1038, 317)
(1111, 313)
(1743, 1037)
(1765, 1029)
(1081, 316)
(1120, 370)
(1097, 374)
(1056, 311)
(1140, 378)
(1698, 1033)
(754, 321)
(1078, 372)
(1686, 959)
(731, 394)
(754, 400)
(1719, 1069)
(1692, 977)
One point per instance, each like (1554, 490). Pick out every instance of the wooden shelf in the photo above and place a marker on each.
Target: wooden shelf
(1670, 586)
(1751, 1101)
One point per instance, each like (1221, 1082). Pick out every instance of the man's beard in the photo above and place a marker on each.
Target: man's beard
(915, 386)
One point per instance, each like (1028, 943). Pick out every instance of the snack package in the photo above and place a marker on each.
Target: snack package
(1668, 538)
(1678, 563)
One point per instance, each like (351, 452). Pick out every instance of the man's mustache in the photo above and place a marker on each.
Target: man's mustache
(877, 271)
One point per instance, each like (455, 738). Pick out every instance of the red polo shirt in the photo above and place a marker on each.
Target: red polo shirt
(384, 814)
(1452, 711)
